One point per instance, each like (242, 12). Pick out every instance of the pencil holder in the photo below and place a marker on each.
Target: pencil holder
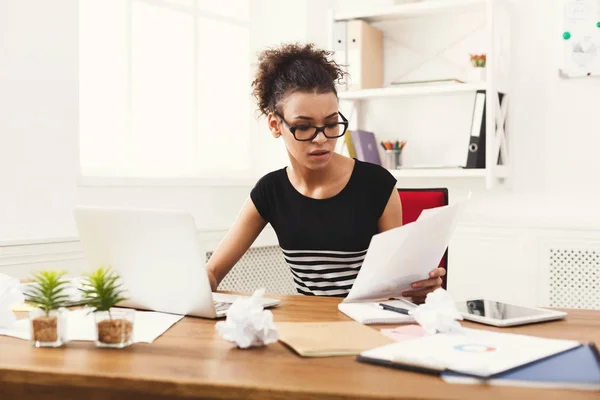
(392, 159)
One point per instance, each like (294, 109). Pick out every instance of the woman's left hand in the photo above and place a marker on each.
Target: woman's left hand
(421, 288)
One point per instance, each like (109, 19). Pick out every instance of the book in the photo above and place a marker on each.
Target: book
(473, 353)
(365, 146)
(325, 339)
(578, 368)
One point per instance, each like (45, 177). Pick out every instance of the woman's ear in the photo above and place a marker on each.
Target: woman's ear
(274, 125)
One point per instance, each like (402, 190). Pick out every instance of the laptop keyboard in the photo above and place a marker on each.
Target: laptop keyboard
(221, 305)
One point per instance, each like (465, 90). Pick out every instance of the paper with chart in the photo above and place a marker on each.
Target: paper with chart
(401, 256)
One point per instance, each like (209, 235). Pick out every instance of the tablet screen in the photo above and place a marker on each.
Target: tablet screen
(496, 310)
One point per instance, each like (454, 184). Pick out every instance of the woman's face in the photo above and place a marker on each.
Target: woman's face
(301, 110)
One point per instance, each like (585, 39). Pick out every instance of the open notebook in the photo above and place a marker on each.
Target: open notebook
(323, 339)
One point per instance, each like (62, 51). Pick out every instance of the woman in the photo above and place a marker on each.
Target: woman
(324, 207)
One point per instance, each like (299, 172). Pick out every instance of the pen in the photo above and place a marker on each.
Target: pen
(394, 309)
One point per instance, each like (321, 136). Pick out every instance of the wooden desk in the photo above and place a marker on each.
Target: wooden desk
(192, 360)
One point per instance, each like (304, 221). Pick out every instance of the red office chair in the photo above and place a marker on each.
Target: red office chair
(416, 200)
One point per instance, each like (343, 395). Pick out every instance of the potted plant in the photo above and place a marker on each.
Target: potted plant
(101, 292)
(478, 62)
(47, 293)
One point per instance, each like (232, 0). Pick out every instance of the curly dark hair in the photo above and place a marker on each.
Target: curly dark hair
(290, 68)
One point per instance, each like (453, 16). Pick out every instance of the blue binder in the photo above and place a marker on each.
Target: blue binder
(578, 368)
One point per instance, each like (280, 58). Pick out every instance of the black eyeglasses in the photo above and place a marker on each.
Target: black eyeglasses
(306, 133)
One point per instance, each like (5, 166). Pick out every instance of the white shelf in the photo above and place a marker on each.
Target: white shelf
(412, 90)
(410, 10)
(446, 172)
(438, 173)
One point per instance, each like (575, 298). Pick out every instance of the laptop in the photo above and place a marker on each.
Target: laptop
(159, 257)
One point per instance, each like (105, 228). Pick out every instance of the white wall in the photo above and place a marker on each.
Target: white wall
(39, 122)
(38, 118)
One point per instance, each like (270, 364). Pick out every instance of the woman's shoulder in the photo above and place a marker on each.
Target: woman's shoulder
(272, 178)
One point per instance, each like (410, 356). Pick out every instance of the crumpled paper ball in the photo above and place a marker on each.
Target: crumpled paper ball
(438, 313)
(248, 323)
(9, 296)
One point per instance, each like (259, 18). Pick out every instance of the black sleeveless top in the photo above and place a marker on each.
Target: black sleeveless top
(324, 241)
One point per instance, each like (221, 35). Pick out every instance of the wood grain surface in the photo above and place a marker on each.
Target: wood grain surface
(192, 361)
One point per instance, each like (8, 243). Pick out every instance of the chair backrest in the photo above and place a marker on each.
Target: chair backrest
(415, 200)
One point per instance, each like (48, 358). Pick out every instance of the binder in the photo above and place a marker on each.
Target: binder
(364, 55)
(477, 139)
(339, 48)
(577, 369)
(365, 146)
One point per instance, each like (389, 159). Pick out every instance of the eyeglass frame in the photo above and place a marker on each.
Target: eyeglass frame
(318, 129)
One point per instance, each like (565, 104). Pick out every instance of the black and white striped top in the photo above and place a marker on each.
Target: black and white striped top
(324, 241)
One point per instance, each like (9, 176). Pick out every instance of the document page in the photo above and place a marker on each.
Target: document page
(406, 254)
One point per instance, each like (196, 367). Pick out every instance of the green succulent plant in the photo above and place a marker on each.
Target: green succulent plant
(48, 290)
(101, 291)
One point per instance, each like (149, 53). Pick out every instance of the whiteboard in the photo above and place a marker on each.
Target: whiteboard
(580, 38)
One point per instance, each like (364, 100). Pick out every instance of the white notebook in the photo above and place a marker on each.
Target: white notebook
(371, 313)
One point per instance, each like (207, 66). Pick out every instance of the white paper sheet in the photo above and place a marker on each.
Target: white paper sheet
(401, 256)
(147, 327)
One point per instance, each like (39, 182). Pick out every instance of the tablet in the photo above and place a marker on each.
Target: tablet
(503, 314)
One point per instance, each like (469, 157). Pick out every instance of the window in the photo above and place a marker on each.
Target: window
(164, 88)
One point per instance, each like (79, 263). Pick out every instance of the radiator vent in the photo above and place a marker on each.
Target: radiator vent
(260, 267)
(575, 278)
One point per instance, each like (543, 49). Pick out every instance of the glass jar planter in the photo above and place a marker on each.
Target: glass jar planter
(114, 328)
(47, 329)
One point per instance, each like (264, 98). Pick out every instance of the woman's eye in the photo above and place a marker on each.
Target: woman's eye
(302, 128)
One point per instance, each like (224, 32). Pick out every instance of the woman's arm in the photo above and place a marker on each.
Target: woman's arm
(392, 215)
(392, 218)
(238, 240)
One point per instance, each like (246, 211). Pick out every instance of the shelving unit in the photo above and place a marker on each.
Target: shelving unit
(444, 173)
(410, 10)
(411, 90)
(494, 16)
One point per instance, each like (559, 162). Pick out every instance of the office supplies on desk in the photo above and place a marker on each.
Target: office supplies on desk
(372, 313)
(394, 309)
(474, 353)
(398, 257)
(365, 146)
(578, 368)
(323, 339)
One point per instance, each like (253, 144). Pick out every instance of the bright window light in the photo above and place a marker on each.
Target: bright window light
(164, 88)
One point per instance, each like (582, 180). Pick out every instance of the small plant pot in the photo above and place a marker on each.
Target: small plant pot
(47, 329)
(114, 328)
